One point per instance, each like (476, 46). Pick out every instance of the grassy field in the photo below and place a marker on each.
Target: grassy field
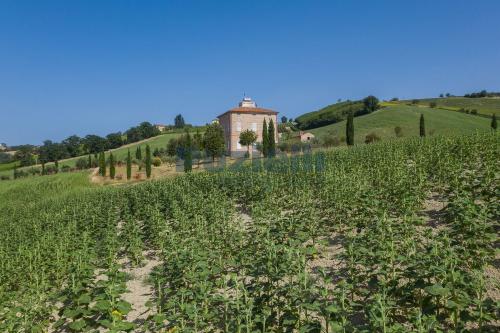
(486, 106)
(159, 141)
(8, 166)
(383, 122)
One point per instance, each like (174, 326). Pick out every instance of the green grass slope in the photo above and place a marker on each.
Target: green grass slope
(485, 105)
(327, 115)
(159, 141)
(383, 122)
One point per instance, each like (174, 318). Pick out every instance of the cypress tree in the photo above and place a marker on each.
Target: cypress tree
(494, 121)
(102, 164)
(422, 125)
(349, 129)
(90, 161)
(271, 137)
(138, 153)
(56, 164)
(148, 161)
(129, 166)
(111, 166)
(265, 139)
(188, 154)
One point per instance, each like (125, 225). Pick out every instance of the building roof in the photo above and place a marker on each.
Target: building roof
(248, 106)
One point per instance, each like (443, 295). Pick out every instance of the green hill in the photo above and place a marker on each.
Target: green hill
(484, 106)
(383, 122)
(330, 114)
(159, 141)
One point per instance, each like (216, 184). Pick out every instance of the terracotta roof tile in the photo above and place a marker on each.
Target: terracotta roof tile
(242, 109)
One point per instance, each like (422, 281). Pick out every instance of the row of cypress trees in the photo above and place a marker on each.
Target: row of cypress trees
(268, 139)
(112, 163)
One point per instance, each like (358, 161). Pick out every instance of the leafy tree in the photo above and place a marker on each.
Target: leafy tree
(188, 154)
(129, 165)
(422, 125)
(213, 141)
(284, 119)
(94, 144)
(148, 161)
(81, 163)
(24, 154)
(89, 163)
(272, 139)
(448, 95)
(415, 101)
(371, 103)
(102, 164)
(179, 121)
(114, 140)
(265, 139)
(138, 153)
(73, 145)
(432, 104)
(56, 166)
(349, 131)
(112, 169)
(494, 122)
(248, 138)
(441, 95)
(172, 147)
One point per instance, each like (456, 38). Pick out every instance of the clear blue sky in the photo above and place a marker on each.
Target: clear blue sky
(94, 67)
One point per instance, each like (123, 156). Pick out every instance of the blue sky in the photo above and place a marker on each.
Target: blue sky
(95, 67)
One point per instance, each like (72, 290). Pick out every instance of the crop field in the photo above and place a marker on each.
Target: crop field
(383, 122)
(485, 106)
(397, 236)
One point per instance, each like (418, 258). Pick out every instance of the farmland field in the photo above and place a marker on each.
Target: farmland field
(383, 122)
(486, 105)
(397, 236)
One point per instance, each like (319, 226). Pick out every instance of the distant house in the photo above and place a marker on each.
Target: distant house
(305, 136)
(246, 116)
(161, 127)
(3, 147)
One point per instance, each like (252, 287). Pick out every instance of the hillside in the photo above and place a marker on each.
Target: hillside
(329, 114)
(159, 141)
(383, 122)
(485, 106)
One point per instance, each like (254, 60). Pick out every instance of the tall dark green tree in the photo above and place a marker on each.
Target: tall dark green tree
(179, 121)
(349, 129)
(112, 169)
(265, 139)
(188, 153)
(138, 153)
(56, 165)
(494, 122)
(129, 165)
(102, 164)
(271, 137)
(148, 161)
(422, 125)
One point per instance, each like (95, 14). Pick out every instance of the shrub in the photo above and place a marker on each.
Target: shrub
(398, 131)
(414, 101)
(474, 112)
(65, 168)
(156, 161)
(284, 147)
(331, 141)
(4, 177)
(372, 137)
(432, 104)
(169, 160)
(82, 163)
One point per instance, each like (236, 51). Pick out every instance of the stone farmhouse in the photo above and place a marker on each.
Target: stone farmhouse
(246, 116)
